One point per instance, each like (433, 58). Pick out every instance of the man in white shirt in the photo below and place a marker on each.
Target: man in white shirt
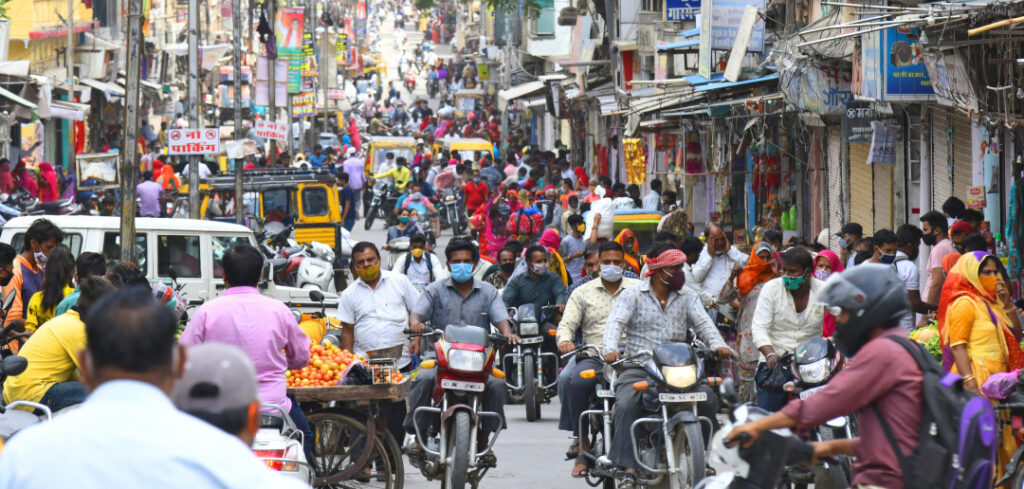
(127, 433)
(374, 312)
(204, 172)
(787, 314)
(420, 266)
(717, 262)
(652, 201)
(908, 239)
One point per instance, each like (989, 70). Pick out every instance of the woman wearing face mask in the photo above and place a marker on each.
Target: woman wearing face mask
(629, 243)
(406, 226)
(827, 263)
(979, 328)
(761, 268)
(787, 314)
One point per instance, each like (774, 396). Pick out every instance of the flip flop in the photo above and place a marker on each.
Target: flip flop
(574, 450)
(580, 471)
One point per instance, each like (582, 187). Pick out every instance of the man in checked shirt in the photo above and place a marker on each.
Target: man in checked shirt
(657, 310)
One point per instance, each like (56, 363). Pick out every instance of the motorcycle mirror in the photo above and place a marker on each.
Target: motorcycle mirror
(727, 391)
(13, 365)
(316, 296)
(171, 272)
(9, 300)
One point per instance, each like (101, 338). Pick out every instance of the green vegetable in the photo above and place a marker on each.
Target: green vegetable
(934, 348)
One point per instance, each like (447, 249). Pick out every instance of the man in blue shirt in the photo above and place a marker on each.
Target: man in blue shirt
(317, 158)
(347, 202)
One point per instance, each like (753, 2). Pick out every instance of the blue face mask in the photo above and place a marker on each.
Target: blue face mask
(462, 272)
(888, 259)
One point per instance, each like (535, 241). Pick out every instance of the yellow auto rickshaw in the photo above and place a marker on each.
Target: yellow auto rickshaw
(467, 148)
(467, 100)
(380, 146)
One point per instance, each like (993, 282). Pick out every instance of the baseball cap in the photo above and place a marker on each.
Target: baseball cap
(851, 228)
(217, 378)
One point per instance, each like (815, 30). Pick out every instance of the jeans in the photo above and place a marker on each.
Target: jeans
(422, 394)
(349, 224)
(63, 394)
(773, 401)
(577, 394)
(299, 418)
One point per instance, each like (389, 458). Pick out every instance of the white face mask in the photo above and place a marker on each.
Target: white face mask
(611, 273)
(40, 259)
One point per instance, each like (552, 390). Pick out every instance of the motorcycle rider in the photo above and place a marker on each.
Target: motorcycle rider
(460, 299)
(499, 273)
(872, 299)
(399, 173)
(655, 311)
(377, 127)
(421, 266)
(400, 117)
(540, 287)
(587, 310)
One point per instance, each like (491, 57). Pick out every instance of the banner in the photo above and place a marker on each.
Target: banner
(271, 130)
(304, 104)
(288, 30)
(193, 141)
(725, 24)
(341, 48)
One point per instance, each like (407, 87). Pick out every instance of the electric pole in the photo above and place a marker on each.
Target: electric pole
(127, 172)
(272, 82)
(324, 66)
(71, 81)
(236, 22)
(193, 104)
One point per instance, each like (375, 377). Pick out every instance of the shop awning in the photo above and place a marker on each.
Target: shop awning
(143, 83)
(63, 109)
(700, 80)
(535, 102)
(687, 45)
(724, 85)
(505, 96)
(106, 87)
(13, 97)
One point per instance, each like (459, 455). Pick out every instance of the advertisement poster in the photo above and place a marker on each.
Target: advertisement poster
(288, 30)
(360, 24)
(341, 48)
(906, 75)
(304, 104)
(704, 60)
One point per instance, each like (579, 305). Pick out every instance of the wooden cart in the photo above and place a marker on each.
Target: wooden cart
(347, 443)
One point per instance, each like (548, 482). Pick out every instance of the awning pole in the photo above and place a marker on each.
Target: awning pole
(994, 25)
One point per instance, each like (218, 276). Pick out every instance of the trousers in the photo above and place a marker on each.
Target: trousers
(577, 393)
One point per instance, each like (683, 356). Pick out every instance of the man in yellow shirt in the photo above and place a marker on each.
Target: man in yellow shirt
(52, 376)
(400, 173)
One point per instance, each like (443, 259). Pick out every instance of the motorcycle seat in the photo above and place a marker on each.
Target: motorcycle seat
(271, 420)
(14, 420)
(57, 204)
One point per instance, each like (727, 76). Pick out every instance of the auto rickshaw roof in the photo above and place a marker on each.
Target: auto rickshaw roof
(259, 180)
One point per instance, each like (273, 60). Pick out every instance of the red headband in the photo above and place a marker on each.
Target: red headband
(668, 258)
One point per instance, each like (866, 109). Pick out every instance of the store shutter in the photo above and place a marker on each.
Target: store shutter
(834, 165)
(962, 156)
(883, 196)
(861, 187)
(942, 184)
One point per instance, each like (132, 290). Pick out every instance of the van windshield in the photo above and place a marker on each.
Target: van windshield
(380, 154)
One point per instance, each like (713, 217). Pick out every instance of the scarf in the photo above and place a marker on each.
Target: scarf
(757, 271)
(632, 253)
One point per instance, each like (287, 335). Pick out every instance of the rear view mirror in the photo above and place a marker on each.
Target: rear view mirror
(316, 296)
(171, 272)
(9, 300)
(727, 391)
(13, 365)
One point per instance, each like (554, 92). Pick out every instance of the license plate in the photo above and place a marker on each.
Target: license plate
(532, 340)
(460, 385)
(529, 329)
(605, 393)
(687, 397)
(809, 392)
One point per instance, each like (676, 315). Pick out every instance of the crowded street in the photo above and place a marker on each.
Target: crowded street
(387, 244)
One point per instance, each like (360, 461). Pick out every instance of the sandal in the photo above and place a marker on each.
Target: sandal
(488, 460)
(625, 481)
(574, 450)
(580, 470)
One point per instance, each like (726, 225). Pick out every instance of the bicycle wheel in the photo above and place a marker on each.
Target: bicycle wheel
(338, 445)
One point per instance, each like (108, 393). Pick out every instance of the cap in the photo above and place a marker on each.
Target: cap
(351, 151)
(217, 378)
(961, 227)
(851, 228)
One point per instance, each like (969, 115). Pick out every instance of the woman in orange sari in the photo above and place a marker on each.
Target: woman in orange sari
(761, 267)
(631, 246)
(982, 336)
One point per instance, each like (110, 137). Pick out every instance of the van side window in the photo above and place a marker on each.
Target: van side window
(219, 245)
(178, 252)
(314, 201)
(112, 249)
(72, 240)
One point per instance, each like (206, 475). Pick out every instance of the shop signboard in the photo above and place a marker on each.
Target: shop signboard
(304, 104)
(725, 24)
(823, 88)
(360, 23)
(193, 141)
(894, 66)
(704, 60)
(97, 171)
(271, 130)
(679, 10)
(859, 116)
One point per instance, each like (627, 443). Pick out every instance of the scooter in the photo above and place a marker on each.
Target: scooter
(316, 271)
(465, 355)
(278, 443)
(14, 420)
(396, 248)
(524, 364)
(410, 82)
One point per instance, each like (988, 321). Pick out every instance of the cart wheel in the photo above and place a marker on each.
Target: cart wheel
(339, 442)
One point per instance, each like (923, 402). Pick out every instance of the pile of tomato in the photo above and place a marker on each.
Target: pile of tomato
(326, 364)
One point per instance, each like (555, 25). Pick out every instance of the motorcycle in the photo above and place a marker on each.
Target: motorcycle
(382, 205)
(410, 82)
(814, 363)
(316, 271)
(396, 248)
(525, 362)
(449, 212)
(278, 443)
(595, 423)
(672, 457)
(14, 420)
(465, 355)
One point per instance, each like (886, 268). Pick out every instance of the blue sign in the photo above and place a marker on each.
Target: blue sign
(906, 76)
(676, 10)
(725, 24)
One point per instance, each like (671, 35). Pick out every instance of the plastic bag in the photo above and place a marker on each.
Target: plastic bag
(771, 379)
(1000, 385)
(357, 373)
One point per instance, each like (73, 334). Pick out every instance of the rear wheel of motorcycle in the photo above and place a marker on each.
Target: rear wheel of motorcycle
(458, 448)
(688, 445)
(530, 398)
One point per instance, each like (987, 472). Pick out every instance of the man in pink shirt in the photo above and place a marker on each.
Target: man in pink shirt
(262, 327)
(934, 228)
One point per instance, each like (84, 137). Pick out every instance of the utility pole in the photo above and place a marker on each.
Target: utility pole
(71, 81)
(506, 82)
(236, 22)
(272, 82)
(193, 104)
(127, 172)
(324, 66)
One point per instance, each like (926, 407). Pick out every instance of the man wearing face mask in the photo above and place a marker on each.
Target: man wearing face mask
(908, 238)
(460, 299)
(885, 247)
(933, 229)
(40, 238)
(717, 261)
(499, 273)
(655, 311)
(7, 255)
(692, 248)
(422, 267)
(539, 287)
(572, 247)
(849, 235)
(787, 314)
(587, 312)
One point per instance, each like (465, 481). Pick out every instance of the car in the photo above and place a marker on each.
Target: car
(191, 247)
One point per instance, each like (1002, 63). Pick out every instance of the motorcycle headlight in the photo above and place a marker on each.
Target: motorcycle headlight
(466, 360)
(813, 373)
(680, 377)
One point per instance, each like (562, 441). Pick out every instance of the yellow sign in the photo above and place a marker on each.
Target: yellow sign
(483, 72)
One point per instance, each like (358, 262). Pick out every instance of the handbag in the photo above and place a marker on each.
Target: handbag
(773, 379)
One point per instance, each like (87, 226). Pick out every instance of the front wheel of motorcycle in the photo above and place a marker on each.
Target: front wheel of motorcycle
(455, 473)
(530, 398)
(835, 476)
(370, 216)
(688, 446)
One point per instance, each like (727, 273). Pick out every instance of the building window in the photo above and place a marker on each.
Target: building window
(544, 24)
(652, 5)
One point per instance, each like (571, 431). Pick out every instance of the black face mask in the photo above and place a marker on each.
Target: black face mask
(6, 280)
(929, 239)
(508, 268)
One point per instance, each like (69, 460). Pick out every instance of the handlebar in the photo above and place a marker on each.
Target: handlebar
(581, 349)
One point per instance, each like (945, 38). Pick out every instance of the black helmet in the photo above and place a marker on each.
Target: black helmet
(872, 294)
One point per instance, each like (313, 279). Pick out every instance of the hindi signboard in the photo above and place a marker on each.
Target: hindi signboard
(679, 10)
(272, 130)
(193, 141)
(726, 17)
(304, 104)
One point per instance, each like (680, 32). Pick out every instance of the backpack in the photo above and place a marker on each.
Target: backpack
(430, 266)
(956, 446)
(525, 224)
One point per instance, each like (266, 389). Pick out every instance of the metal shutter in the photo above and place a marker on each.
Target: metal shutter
(962, 156)
(861, 188)
(942, 180)
(883, 196)
(834, 165)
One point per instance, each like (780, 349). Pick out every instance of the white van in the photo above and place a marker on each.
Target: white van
(193, 248)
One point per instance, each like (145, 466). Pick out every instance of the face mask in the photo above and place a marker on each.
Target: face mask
(822, 274)
(928, 239)
(888, 259)
(40, 259)
(611, 273)
(539, 268)
(581, 228)
(416, 195)
(417, 252)
(369, 274)
(403, 220)
(412, 220)
(675, 281)
(462, 272)
(793, 283)
(989, 284)
(843, 244)
(476, 179)
(508, 268)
